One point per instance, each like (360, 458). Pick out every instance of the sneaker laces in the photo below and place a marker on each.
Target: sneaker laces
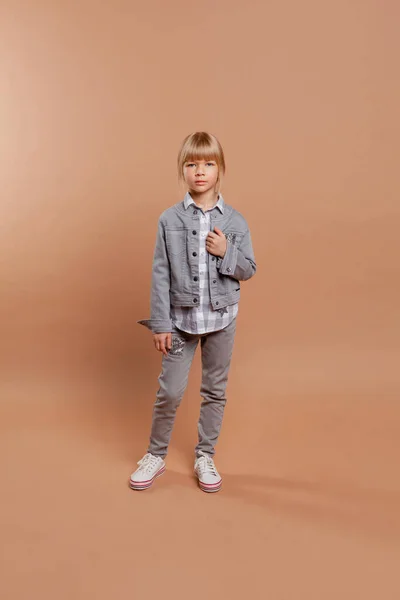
(206, 465)
(148, 462)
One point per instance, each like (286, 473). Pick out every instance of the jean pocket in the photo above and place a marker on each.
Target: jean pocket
(176, 241)
(234, 237)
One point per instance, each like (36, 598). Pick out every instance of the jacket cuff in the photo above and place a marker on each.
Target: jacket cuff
(228, 263)
(157, 325)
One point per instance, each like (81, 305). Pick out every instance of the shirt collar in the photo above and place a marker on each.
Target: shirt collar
(188, 200)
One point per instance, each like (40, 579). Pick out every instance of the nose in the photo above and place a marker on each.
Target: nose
(199, 170)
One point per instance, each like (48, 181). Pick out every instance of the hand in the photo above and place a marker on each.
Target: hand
(163, 342)
(216, 242)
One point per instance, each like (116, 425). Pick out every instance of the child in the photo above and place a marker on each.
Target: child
(202, 252)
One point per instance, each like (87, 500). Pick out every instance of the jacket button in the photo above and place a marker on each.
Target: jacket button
(195, 212)
(214, 281)
(228, 269)
(213, 258)
(194, 232)
(194, 253)
(195, 278)
(195, 300)
(217, 303)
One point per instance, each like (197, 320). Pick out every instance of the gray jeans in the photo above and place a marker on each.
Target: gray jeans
(216, 353)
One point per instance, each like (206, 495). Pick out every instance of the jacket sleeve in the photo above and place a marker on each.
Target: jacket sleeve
(160, 319)
(238, 262)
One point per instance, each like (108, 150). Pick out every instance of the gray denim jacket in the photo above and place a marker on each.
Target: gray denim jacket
(175, 273)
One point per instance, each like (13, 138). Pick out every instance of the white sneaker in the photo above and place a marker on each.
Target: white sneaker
(209, 478)
(150, 467)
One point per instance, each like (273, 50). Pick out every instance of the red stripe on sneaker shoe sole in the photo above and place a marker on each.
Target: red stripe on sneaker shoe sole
(210, 486)
(143, 485)
(210, 490)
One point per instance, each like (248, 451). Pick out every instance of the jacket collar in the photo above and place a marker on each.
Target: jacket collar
(188, 200)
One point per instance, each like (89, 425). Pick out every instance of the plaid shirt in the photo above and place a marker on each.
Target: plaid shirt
(203, 318)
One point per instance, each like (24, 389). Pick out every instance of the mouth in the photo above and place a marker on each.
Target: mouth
(200, 182)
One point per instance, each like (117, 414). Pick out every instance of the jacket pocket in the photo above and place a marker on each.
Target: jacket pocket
(234, 237)
(176, 241)
(228, 285)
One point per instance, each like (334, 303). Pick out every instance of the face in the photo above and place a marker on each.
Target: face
(200, 175)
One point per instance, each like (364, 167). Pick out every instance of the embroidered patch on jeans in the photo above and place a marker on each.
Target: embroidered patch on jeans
(177, 346)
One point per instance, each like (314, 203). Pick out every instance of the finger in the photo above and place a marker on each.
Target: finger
(162, 347)
(169, 341)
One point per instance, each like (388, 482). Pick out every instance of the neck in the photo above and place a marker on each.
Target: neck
(206, 199)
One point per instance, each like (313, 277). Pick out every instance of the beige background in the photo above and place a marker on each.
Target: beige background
(95, 100)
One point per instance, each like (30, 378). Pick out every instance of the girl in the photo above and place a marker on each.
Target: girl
(203, 251)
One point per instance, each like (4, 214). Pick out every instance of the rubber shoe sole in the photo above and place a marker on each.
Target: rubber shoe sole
(144, 485)
(210, 487)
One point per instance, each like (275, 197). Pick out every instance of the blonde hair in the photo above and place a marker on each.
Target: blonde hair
(201, 146)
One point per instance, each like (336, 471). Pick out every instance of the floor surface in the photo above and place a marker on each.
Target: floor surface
(309, 506)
